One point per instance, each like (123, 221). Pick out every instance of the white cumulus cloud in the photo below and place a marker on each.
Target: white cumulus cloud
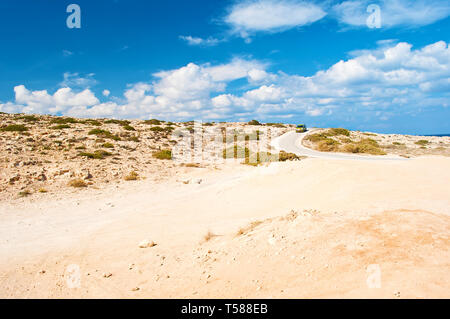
(271, 16)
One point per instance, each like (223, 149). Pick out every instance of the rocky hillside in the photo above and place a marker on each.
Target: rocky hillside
(40, 153)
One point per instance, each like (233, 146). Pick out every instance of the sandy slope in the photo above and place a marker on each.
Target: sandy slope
(319, 224)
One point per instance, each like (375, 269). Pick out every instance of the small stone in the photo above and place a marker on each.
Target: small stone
(146, 243)
(135, 289)
(107, 274)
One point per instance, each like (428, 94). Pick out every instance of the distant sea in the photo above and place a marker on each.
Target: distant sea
(438, 135)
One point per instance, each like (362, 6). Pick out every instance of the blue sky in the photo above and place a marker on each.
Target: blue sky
(313, 62)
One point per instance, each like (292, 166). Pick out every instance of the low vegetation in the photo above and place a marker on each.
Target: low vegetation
(152, 122)
(77, 183)
(104, 134)
(63, 120)
(60, 127)
(254, 122)
(338, 140)
(14, 128)
(99, 154)
(133, 176)
(163, 155)
(421, 142)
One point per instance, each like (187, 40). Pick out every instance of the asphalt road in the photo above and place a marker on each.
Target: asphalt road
(292, 142)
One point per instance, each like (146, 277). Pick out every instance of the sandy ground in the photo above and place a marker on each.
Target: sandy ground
(309, 228)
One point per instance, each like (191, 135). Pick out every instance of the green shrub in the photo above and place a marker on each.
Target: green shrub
(338, 131)
(254, 122)
(92, 122)
(108, 145)
(120, 122)
(14, 128)
(156, 129)
(128, 127)
(133, 139)
(99, 154)
(281, 125)
(29, 118)
(60, 127)
(422, 142)
(163, 154)
(104, 134)
(63, 120)
(152, 122)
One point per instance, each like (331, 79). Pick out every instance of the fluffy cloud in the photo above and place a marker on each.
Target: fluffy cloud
(43, 102)
(199, 41)
(392, 79)
(247, 17)
(76, 80)
(409, 13)
(270, 15)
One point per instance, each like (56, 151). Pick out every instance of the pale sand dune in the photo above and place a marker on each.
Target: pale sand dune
(393, 214)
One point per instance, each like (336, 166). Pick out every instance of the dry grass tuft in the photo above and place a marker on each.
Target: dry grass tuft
(77, 183)
(163, 155)
(133, 176)
(208, 236)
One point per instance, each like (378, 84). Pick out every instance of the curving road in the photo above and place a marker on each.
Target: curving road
(292, 142)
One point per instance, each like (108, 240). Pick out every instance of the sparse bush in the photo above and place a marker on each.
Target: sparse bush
(316, 137)
(254, 122)
(152, 122)
(133, 139)
(24, 193)
(338, 131)
(280, 125)
(104, 134)
(108, 145)
(128, 127)
(14, 128)
(133, 176)
(328, 145)
(63, 120)
(283, 156)
(156, 129)
(422, 142)
(99, 154)
(29, 118)
(78, 183)
(163, 154)
(367, 146)
(120, 122)
(90, 122)
(60, 127)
